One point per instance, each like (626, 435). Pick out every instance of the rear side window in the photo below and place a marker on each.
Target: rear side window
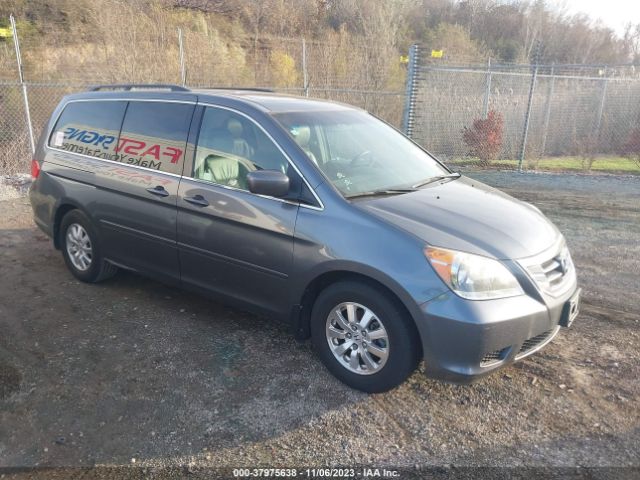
(89, 128)
(154, 135)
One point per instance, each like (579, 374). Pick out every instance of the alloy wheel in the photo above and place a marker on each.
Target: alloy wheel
(357, 338)
(79, 247)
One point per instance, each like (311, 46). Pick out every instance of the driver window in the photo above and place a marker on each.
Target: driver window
(230, 146)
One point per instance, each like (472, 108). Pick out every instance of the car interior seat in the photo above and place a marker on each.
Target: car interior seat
(226, 171)
(239, 146)
(302, 136)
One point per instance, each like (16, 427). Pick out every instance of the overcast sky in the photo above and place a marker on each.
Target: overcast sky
(614, 13)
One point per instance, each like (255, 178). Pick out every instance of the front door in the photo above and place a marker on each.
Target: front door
(230, 241)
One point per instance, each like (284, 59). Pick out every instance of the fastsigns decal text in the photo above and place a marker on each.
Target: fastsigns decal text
(132, 149)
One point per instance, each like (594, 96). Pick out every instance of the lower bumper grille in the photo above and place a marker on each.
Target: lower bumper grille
(492, 358)
(528, 347)
(534, 343)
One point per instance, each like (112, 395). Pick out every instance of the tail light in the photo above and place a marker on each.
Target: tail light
(35, 169)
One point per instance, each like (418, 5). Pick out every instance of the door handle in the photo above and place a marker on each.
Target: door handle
(158, 191)
(197, 200)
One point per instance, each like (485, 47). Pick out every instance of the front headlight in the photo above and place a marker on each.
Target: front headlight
(473, 276)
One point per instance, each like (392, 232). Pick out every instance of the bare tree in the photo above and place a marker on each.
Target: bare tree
(632, 42)
(223, 7)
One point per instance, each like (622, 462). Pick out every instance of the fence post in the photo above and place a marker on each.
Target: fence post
(547, 113)
(411, 88)
(487, 91)
(25, 96)
(527, 117)
(305, 77)
(183, 72)
(601, 107)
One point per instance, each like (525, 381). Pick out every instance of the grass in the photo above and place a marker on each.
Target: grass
(601, 164)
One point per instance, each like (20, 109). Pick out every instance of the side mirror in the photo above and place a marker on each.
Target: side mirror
(268, 182)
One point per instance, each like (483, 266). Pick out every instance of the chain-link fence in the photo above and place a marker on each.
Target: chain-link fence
(506, 115)
(524, 116)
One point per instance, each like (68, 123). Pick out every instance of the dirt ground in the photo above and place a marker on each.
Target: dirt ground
(131, 372)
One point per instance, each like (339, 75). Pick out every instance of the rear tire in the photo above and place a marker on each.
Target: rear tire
(363, 336)
(81, 249)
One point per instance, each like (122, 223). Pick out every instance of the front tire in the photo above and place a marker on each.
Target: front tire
(363, 336)
(81, 249)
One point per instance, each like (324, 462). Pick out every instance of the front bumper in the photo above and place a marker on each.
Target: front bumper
(465, 340)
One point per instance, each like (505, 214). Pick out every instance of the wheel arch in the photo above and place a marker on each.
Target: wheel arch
(64, 207)
(301, 313)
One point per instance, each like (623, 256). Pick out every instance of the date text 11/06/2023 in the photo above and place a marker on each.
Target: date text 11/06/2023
(316, 473)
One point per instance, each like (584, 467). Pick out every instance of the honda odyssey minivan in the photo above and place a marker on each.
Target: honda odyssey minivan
(310, 211)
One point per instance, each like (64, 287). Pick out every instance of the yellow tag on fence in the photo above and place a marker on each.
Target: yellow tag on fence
(436, 53)
(6, 32)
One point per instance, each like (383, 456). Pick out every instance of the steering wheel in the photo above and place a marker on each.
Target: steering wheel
(361, 159)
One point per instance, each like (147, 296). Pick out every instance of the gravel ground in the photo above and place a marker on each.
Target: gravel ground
(14, 186)
(131, 372)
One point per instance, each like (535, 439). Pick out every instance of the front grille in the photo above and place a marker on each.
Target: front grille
(534, 342)
(493, 357)
(553, 273)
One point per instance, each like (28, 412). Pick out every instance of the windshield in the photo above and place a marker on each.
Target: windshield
(358, 152)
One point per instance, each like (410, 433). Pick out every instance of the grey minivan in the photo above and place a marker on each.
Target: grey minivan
(310, 211)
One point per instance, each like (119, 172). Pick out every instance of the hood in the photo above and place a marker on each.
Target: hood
(469, 216)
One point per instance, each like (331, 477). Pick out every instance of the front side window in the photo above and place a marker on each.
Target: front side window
(230, 146)
(154, 135)
(89, 128)
(357, 152)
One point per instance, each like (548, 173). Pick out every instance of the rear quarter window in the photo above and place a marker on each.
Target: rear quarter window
(89, 128)
(154, 135)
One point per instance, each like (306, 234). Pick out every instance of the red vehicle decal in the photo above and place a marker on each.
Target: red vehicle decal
(135, 147)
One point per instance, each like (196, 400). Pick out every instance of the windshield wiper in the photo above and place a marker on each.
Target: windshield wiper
(379, 193)
(397, 191)
(435, 179)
